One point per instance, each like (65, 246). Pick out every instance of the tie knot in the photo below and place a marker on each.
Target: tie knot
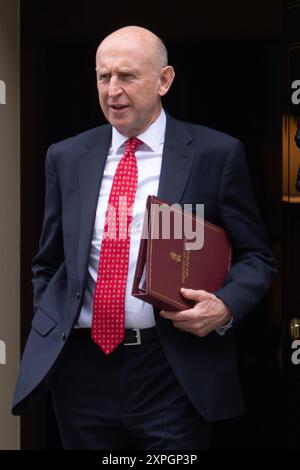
(132, 144)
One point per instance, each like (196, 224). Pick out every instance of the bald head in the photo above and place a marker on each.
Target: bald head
(140, 40)
(132, 75)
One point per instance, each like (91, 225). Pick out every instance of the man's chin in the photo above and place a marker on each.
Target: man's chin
(123, 127)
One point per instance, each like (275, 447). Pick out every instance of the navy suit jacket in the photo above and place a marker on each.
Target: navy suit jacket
(199, 165)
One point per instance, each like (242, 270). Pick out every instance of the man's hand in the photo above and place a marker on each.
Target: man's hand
(208, 313)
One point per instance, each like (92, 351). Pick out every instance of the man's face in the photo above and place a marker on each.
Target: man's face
(129, 87)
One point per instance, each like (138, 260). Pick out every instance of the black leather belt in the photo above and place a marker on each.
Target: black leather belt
(133, 336)
(136, 336)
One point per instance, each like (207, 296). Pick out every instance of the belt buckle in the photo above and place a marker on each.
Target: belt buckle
(138, 338)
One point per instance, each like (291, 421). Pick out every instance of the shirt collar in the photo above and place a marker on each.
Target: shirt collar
(153, 137)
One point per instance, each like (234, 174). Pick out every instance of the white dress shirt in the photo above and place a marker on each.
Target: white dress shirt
(138, 314)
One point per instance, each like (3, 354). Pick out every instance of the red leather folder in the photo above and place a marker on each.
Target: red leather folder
(165, 264)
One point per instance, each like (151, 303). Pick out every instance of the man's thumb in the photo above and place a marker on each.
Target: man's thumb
(193, 294)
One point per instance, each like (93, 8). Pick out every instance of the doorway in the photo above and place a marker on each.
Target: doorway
(228, 76)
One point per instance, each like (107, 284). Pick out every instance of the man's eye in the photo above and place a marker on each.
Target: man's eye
(126, 77)
(103, 78)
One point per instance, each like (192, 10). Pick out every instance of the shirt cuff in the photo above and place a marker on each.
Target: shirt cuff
(223, 329)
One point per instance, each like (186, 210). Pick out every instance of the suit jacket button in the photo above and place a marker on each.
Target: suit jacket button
(63, 336)
(78, 295)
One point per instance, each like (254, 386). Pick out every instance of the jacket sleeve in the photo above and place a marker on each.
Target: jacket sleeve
(253, 264)
(50, 253)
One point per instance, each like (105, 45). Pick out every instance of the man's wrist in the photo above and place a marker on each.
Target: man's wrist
(228, 320)
(221, 330)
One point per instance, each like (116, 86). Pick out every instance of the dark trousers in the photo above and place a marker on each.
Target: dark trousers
(129, 399)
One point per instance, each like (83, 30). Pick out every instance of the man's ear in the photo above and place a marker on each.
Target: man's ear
(167, 75)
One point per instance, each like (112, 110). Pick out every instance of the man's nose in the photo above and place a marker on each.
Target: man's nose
(114, 88)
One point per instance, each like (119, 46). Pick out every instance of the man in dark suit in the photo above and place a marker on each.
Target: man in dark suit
(123, 375)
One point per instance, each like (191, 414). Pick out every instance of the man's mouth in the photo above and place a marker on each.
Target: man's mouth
(118, 107)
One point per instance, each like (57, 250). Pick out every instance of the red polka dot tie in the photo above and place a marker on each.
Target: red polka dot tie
(108, 324)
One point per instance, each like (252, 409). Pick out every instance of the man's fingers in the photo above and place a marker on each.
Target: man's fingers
(196, 295)
(187, 324)
(176, 315)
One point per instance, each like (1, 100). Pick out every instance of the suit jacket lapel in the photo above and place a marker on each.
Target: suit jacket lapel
(91, 167)
(177, 161)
